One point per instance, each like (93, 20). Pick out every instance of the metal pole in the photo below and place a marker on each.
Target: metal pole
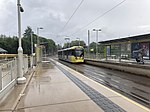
(88, 43)
(37, 46)
(106, 53)
(1, 82)
(21, 79)
(38, 49)
(19, 23)
(119, 52)
(31, 43)
(96, 43)
(96, 40)
(37, 36)
(31, 58)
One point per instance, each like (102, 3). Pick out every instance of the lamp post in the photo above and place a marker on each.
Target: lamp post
(38, 40)
(97, 30)
(32, 43)
(38, 51)
(31, 58)
(88, 43)
(79, 41)
(21, 79)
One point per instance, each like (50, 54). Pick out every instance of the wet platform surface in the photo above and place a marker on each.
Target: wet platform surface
(51, 90)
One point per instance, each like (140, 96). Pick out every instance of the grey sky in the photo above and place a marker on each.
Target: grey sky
(130, 18)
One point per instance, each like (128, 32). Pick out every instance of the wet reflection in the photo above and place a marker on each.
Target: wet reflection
(133, 85)
(41, 75)
(49, 87)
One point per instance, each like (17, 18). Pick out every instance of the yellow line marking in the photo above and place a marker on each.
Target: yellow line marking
(137, 104)
(141, 106)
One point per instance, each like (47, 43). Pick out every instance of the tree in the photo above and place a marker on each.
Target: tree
(92, 47)
(77, 42)
(51, 48)
(11, 43)
(28, 32)
(26, 40)
(66, 45)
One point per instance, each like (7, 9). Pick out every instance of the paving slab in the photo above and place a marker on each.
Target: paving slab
(82, 106)
(9, 101)
(122, 101)
(51, 90)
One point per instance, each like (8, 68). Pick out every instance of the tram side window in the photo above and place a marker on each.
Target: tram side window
(61, 54)
(71, 52)
(66, 53)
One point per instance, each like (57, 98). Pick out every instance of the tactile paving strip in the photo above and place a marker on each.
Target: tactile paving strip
(103, 102)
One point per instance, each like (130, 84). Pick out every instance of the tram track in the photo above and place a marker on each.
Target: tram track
(118, 81)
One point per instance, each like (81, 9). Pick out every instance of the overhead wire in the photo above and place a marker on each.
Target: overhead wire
(72, 15)
(99, 16)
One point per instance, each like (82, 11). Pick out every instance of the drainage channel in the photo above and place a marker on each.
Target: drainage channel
(103, 102)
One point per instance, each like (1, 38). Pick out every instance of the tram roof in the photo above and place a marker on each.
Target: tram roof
(74, 47)
(133, 39)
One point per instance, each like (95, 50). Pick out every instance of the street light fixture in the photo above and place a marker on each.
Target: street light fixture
(20, 79)
(97, 30)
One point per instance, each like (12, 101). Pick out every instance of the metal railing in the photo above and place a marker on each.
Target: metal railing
(8, 72)
(115, 57)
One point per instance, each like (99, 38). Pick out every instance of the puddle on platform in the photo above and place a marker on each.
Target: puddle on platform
(47, 65)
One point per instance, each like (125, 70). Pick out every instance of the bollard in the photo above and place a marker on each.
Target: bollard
(1, 83)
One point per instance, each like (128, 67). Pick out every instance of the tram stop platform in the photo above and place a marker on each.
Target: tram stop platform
(54, 87)
(124, 65)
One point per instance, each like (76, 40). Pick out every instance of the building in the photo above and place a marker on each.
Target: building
(125, 47)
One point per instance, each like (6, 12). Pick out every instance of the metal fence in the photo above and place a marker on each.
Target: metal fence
(8, 74)
(114, 57)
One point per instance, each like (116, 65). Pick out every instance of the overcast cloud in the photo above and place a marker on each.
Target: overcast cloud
(130, 18)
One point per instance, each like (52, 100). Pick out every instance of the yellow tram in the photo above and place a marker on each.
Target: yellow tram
(73, 54)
